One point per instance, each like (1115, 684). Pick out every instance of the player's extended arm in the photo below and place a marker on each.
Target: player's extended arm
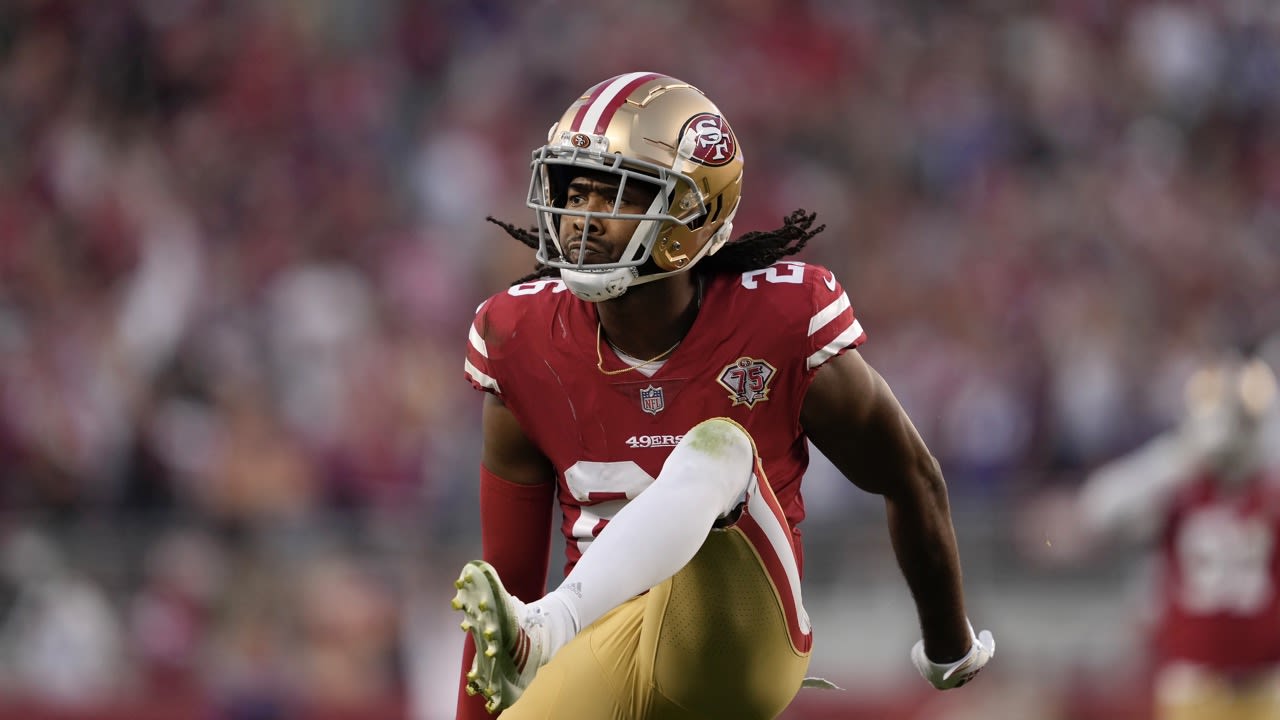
(1128, 496)
(517, 489)
(852, 416)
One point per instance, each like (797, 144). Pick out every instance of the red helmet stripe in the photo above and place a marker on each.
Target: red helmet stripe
(592, 94)
(596, 114)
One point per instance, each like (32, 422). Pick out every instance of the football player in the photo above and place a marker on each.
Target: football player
(660, 381)
(1207, 496)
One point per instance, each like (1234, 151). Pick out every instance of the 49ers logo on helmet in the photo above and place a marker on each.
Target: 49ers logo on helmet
(714, 143)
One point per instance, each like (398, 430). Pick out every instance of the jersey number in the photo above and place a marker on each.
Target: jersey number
(789, 272)
(1226, 563)
(536, 286)
(607, 486)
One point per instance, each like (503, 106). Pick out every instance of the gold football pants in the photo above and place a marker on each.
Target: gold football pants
(726, 637)
(1185, 692)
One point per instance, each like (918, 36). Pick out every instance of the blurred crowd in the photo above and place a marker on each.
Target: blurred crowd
(241, 243)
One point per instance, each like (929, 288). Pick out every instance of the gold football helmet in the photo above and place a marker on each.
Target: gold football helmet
(644, 128)
(1231, 413)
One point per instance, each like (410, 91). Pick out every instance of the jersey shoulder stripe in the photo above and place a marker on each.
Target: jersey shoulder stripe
(805, 296)
(497, 323)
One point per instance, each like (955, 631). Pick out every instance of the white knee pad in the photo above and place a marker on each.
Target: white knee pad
(718, 455)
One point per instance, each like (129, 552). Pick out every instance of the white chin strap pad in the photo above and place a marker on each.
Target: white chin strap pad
(598, 286)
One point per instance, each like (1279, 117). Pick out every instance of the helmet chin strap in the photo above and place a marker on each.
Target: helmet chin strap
(598, 285)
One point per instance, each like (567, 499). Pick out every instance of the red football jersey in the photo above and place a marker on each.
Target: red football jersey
(751, 354)
(1219, 576)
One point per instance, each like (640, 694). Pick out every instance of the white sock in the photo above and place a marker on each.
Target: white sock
(658, 532)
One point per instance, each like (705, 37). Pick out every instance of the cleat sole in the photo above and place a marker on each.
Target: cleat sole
(492, 673)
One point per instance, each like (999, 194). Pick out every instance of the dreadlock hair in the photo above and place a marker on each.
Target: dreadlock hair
(752, 251)
(759, 249)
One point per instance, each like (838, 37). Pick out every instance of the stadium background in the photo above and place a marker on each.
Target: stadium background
(241, 242)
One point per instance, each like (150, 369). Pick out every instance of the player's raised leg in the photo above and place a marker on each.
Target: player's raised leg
(728, 636)
(656, 534)
(705, 477)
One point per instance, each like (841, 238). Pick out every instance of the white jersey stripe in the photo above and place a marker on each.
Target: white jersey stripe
(483, 380)
(606, 97)
(780, 541)
(478, 343)
(842, 341)
(828, 313)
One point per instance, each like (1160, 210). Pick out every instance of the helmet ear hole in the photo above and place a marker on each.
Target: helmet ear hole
(713, 212)
(684, 200)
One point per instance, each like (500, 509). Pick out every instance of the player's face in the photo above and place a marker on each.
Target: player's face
(601, 239)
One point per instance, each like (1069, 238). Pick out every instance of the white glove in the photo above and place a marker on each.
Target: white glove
(954, 674)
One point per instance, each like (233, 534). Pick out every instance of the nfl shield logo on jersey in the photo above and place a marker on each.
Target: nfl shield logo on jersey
(651, 400)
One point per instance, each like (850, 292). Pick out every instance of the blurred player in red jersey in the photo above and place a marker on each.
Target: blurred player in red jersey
(1207, 494)
(661, 382)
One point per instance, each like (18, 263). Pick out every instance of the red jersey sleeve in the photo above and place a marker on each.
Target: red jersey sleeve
(478, 365)
(500, 334)
(832, 326)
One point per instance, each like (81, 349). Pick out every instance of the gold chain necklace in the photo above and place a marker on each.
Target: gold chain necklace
(629, 368)
(650, 361)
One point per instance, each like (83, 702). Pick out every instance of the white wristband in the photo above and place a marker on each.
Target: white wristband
(945, 676)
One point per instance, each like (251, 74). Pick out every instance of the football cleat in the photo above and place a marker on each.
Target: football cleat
(510, 641)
